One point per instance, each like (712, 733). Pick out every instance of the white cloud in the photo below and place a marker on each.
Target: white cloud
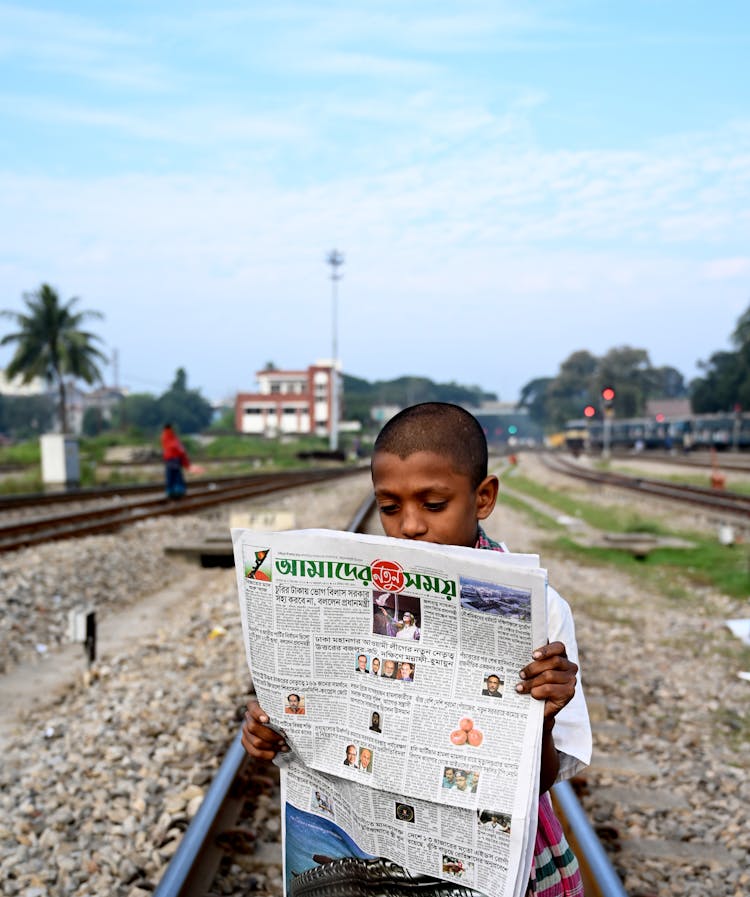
(71, 44)
(727, 269)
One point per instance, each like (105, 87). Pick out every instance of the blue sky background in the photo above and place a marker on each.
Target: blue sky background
(509, 182)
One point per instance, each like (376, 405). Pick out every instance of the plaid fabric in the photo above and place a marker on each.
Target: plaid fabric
(484, 541)
(555, 870)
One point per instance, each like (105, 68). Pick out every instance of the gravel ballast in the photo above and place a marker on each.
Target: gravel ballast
(102, 771)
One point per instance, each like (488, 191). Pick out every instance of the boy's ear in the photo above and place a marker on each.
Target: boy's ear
(486, 496)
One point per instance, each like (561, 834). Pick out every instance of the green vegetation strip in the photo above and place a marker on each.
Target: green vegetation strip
(676, 572)
(606, 518)
(236, 455)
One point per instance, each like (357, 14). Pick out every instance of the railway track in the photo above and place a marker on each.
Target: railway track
(115, 508)
(218, 837)
(734, 461)
(723, 502)
(24, 502)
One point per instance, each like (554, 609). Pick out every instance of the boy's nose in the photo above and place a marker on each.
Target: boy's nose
(413, 524)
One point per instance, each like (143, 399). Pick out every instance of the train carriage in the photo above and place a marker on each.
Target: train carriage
(722, 432)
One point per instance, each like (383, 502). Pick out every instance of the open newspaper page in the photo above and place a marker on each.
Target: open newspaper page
(390, 668)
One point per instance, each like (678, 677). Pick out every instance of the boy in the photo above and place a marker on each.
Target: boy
(429, 473)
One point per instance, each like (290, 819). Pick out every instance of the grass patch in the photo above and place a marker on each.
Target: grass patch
(605, 518)
(278, 450)
(25, 453)
(542, 520)
(22, 483)
(671, 571)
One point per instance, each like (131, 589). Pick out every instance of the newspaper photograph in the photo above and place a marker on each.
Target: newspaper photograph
(390, 669)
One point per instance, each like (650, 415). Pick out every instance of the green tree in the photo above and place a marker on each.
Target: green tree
(571, 390)
(183, 407)
(551, 401)
(50, 344)
(139, 411)
(534, 399)
(669, 384)
(24, 417)
(726, 382)
(94, 422)
(741, 333)
(224, 423)
(628, 371)
(361, 395)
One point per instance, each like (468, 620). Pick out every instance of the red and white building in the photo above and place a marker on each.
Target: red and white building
(293, 402)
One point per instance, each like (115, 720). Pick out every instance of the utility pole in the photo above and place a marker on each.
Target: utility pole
(335, 259)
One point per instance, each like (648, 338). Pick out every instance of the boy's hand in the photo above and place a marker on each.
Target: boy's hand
(257, 739)
(550, 677)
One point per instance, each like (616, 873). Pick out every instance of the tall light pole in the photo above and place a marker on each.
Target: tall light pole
(335, 259)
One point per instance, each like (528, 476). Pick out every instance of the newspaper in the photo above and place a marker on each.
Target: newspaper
(390, 668)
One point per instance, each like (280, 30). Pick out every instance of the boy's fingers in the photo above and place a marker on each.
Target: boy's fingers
(552, 664)
(551, 649)
(256, 712)
(565, 678)
(259, 752)
(258, 739)
(546, 657)
(261, 742)
(555, 697)
(259, 731)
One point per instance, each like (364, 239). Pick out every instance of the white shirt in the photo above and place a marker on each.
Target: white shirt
(572, 732)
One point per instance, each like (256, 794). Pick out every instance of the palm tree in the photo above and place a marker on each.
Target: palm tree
(51, 345)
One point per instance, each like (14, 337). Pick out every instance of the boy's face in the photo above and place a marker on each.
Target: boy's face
(422, 497)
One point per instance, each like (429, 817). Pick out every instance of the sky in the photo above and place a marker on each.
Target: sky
(508, 182)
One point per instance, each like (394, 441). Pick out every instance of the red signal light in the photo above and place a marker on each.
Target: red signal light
(608, 393)
(589, 411)
(660, 418)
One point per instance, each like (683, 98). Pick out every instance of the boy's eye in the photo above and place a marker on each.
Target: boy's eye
(388, 509)
(435, 505)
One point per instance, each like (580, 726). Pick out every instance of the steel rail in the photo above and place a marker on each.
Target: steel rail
(193, 865)
(14, 501)
(598, 874)
(737, 463)
(103, 520)
(730, 502)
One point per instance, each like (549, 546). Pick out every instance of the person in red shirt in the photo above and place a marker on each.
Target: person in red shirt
(175, 459)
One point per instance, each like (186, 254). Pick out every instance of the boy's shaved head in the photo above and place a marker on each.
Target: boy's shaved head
(439, 427)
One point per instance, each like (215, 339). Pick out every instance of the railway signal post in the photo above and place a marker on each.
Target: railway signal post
(608, 397)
